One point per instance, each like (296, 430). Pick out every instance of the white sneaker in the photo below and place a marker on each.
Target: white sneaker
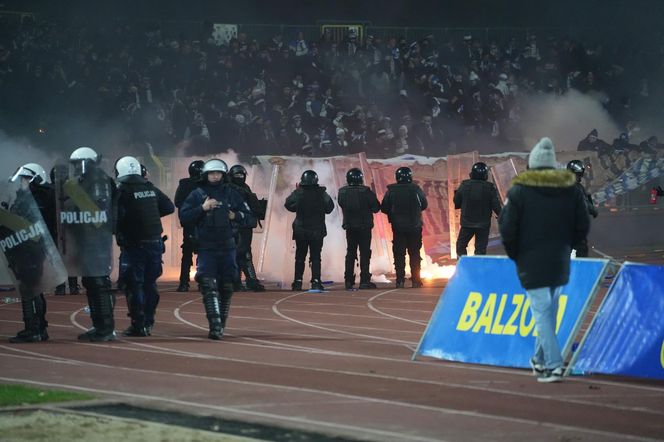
(548, 376)
(537, 368)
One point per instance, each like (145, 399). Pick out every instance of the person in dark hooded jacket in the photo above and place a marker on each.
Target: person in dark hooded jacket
(545, 217)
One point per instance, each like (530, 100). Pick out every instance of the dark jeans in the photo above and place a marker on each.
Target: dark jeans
(410, 241)
(314, 248)
(358, 238)
(481, 235)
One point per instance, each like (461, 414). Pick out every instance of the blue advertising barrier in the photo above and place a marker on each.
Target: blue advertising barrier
(626, 336)
(484, 315)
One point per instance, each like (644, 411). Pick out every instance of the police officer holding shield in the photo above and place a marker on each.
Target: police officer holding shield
(86, 221)
(211, 208)
(185, 187)
(358, 203)
(26, 237)
(403, 204)
(139, 229)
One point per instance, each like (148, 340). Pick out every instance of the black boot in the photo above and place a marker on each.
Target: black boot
(74, 288)
(296, 286)
(136, 307)
(225, 296)
(349, 281)
(102, 303)
(210, 293)
(365, 282)
(183, 287)
(61, 290)
(400, 283)
(252, 279)
(317, 285)
(34, 318)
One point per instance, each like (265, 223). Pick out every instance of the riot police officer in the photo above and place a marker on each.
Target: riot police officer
(577, 167)
(32, 178)
(140, 207)
(311, 203)
(185, 187)
(85, 227)
(211, 208)
(238, 177)
(403, 204)
(476, 198)
(358, 203)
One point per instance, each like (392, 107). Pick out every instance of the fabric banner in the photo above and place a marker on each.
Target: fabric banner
(484, 313)
(639, 173)
(627, 333)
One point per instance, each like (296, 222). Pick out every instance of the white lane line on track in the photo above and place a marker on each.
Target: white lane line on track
(290, 418)
(275, 309)
(380, 312)
(456, 366)
(177, 314)
(272, 344)
(148, 348)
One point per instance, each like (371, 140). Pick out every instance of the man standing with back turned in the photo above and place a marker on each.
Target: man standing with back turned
(544, 218)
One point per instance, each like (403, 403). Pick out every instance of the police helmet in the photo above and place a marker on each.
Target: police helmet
(404, 175)
(214, 165)
(82, 154)
(196, 168)
(238, 174)
(126, 166)
(479, 171)
(309, 178)
(354, 177)
(33, 171)
(577, 167)
(81, 157)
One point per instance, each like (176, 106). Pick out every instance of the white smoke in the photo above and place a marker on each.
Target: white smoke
(566, 119)
(16, 152)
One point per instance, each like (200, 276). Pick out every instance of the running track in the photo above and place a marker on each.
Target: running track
(338, 363)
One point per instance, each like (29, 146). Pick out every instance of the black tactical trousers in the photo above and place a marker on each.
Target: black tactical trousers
(582, 249)
(410, 241)
(481, 235)
(358, 238)
(314, 247)
(187, 258)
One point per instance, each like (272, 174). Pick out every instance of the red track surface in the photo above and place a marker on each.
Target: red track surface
(337, 363)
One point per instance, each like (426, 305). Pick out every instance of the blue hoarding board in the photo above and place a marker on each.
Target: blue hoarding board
(627, 334)
(484, 317)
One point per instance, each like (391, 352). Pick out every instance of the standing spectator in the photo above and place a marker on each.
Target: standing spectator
(544, 218)
(593, 143)
(476, 198)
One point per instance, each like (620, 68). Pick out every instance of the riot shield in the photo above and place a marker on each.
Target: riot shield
(27, 250)
(84, 202)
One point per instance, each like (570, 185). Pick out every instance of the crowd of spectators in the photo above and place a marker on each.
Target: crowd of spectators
(289, 95)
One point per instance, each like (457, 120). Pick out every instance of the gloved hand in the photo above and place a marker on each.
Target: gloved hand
(660, 191)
